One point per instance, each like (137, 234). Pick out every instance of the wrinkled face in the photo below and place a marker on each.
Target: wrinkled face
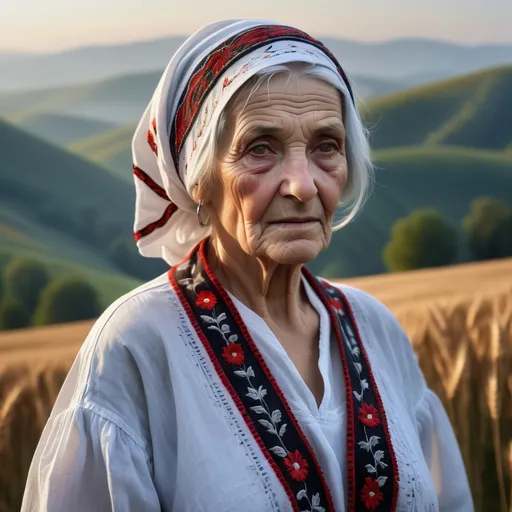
(282, 170)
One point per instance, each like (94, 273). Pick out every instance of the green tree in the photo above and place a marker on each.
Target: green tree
(422, 239)
(13, 314)
(24, 280)
(488, 227)
(67, 300)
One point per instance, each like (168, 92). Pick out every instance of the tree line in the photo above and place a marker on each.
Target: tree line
(29, 296)
(426, 239)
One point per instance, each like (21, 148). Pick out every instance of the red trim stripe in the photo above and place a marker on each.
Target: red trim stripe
(147, 230)
(150, 182)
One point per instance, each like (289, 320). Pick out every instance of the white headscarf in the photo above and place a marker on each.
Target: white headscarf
(170, 142)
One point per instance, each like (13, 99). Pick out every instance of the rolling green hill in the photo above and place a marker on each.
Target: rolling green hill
(111, 150)
(446, 178)
(63, 129)
(52, 201)
(471, 110)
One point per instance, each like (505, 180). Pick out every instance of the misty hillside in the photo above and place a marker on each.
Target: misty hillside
(63, 129)
(392, 60)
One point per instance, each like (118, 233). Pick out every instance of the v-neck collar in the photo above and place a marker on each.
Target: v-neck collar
(304, 399)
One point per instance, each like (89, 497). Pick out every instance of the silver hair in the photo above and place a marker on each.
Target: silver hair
(360, 167)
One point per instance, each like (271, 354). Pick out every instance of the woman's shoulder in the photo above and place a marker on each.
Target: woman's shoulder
(143, 307)
(126, 347)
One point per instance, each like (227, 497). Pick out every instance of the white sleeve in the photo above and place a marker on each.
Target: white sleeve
(86, 462)
(442, 454)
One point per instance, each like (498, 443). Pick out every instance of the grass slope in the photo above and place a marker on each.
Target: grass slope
(469, 111)
(112, 150)
(35, 175)
(63, 129)
(445, 178)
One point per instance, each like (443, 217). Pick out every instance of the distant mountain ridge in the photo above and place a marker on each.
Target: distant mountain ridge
(395, 59)
(122, 99)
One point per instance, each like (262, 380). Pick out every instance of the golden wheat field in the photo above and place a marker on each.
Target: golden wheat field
(459, 320)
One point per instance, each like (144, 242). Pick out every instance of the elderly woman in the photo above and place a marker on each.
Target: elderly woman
(239, 381)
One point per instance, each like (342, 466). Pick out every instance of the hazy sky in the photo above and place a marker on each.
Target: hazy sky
(50, 25)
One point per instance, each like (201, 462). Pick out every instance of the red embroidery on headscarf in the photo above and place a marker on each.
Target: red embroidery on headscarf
(208, 72)
(150, 182)
(147, 230)
(153, 124)
(151, 142)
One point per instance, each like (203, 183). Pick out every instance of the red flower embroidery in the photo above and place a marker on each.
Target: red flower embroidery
(233, 354)
(369, 415)
(151, 142)
(297, 466)
(336, 304)
(370, 494)
(206, 300)
(226, 82)
(153, 124)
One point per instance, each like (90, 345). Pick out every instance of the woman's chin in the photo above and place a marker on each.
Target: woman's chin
(295, 252)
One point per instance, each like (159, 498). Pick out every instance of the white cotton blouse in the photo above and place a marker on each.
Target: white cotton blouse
(144, 423)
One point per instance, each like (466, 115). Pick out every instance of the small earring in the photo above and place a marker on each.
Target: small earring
(198, 212)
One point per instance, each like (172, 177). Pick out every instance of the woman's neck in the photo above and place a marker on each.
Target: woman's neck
(271, 290)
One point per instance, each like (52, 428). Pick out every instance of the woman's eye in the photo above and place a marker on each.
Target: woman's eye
(327, 147)
(259, 150)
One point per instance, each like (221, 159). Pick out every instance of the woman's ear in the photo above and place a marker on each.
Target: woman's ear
(196, 193)
(201, 190)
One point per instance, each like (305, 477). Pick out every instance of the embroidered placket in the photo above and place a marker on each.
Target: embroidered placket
(372, 467)
(372, 475)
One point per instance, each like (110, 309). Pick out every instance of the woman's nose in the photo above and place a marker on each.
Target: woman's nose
(298, 179)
